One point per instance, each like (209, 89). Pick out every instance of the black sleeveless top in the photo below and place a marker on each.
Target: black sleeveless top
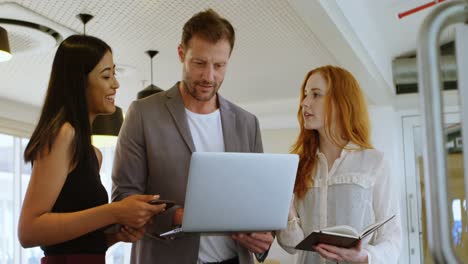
(82, 190)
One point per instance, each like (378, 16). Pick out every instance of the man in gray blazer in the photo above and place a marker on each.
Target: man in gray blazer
(160, 133)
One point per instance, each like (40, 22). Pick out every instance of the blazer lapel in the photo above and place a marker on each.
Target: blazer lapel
(228, 121)
(176, 107)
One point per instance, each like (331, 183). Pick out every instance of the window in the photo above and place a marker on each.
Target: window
(7, 216)
(29, 255)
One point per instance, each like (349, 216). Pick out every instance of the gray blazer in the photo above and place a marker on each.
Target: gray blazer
(152, 157)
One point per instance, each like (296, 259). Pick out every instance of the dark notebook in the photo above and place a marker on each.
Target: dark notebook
(340, 236)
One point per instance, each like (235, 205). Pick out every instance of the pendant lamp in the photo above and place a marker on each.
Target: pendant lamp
(5, 52)
(151, 89)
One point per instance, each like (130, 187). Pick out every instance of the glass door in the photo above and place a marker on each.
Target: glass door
(414, 177)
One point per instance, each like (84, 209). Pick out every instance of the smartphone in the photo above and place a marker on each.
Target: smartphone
(168, 203)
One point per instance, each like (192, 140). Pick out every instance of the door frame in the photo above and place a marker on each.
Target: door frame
(411, 185)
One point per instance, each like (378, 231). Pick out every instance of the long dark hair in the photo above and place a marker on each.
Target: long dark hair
(66, 100)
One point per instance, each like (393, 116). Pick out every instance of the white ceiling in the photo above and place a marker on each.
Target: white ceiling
(278, 41)
(273, 50)
(382, 33)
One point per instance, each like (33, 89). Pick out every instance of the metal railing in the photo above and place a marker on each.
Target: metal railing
(434, 154)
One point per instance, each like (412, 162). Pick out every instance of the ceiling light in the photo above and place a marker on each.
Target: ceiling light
(106, 128)
(5, 53)
(151, 89)
(34, 33)
(108, 124)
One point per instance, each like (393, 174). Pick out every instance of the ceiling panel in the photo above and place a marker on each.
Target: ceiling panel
(274, 47)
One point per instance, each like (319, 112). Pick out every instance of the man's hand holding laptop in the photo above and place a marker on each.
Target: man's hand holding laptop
(257, 242)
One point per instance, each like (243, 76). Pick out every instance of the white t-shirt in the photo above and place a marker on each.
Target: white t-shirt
(207, 135)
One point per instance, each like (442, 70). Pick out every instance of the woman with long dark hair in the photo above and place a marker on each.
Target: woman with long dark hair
(66, 209)
(341, 179)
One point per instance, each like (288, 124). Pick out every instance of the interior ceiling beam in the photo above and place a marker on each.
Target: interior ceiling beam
(327, 21)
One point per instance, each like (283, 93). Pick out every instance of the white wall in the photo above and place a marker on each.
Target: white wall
(17, 118)
(278, 140)
(387, 137)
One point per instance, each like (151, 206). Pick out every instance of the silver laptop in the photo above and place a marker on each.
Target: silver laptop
(238, 192)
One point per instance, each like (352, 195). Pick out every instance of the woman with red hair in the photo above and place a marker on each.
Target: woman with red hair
(341, 179)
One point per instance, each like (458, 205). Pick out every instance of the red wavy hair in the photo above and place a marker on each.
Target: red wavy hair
(345, 98)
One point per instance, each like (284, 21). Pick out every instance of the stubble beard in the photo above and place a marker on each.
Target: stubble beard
(189, 88)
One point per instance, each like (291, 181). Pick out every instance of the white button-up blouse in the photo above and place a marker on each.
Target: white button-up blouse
(357, 191)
